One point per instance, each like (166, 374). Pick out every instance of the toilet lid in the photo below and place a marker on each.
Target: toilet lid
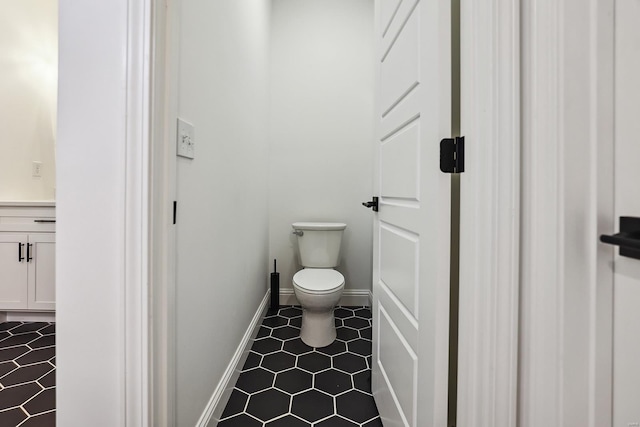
(318, 280)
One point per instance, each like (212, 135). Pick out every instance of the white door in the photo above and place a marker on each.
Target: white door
(13, 271)
(412, 227)
(42, 271)
(626, 291)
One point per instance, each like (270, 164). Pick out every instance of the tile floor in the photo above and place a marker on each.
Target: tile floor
(285, 383)
(27, 374)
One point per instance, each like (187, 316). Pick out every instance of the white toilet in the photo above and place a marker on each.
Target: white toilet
(318, 286)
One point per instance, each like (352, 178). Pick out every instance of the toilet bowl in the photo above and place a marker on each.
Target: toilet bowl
(318, 291)
(318, 287)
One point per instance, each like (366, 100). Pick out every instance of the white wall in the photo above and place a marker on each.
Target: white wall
(222, 230)
(321, 128)
(28, 89)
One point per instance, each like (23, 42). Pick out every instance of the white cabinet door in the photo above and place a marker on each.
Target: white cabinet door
(13, 271)
(626, 291)
(42, 271)
(412, 227)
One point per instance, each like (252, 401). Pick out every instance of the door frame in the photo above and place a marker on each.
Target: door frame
(567, 202)
(489, 213)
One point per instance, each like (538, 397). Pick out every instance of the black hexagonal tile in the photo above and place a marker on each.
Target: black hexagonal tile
(268, 404)
(362, 381)
(356, 406)
(296, 322)
(314, 362)
(336, 421)
(342, 313)
(37, 355)
(12, 417)
(279, 361)
(356, 323)
(334, 348)
(349, 362)
(48, 380)
(266, 345)
(294, 381)
(296, 346)
(275, 321)
(242, 420)
(236, 404)
(29, 327)
(45, 341)
(346, 334)
(332, 382)
(26, 374)
(12, 353)
(365, 333)
(312, 405)
(42, 420)
(51, 329)
(20, 339)
(359, 346)
(255, 380)
(15, 396)
(263, 332)
(373, 423)
(7, 326)
(363, 312)
(290, 312)
(253, 360)
(43, 402)
(288, 421)
(338, 322)
(7, 367)
(369, 361)
(285, 333)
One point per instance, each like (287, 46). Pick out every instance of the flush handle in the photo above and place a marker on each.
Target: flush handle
(299, 233)
(372, 204)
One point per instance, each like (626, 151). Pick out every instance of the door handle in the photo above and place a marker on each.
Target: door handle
(628, 238)
(372, 204)
(20, 257)
(29, 257)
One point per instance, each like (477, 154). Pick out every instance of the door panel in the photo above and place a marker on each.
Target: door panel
(13, 273)
(42, 272)
(626, 354)
(412, 227)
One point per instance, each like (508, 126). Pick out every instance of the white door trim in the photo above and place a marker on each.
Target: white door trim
(136, 216)
(490, 213)
(164, 107)
(565, 340)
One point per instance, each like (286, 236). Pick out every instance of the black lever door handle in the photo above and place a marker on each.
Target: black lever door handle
(372, 204)
(20, 257)
(628, 238)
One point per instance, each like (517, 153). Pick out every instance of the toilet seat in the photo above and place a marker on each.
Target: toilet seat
(318, 280)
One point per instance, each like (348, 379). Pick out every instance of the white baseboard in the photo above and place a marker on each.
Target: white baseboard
(218, 401)
(25, 316)
(350, 297)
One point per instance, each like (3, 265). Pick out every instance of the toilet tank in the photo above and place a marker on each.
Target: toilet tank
(319, 243)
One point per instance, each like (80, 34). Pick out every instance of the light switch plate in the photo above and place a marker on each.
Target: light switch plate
(186, 139)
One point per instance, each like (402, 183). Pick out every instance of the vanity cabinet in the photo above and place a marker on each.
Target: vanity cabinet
(27, 258)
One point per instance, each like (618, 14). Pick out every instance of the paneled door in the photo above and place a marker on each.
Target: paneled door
(412, 227)
(626, 289)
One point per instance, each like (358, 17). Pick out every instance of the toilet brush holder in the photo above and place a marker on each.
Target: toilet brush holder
(275, 289)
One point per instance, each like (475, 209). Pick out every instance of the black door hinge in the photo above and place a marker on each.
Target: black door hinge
(175, 211)
(452, 155)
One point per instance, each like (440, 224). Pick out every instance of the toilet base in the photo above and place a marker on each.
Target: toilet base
(318, 328)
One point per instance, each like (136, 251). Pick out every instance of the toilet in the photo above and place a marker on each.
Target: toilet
(318, 287)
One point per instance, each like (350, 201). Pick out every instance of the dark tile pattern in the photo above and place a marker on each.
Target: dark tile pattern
(27, 374)
(285, 383)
